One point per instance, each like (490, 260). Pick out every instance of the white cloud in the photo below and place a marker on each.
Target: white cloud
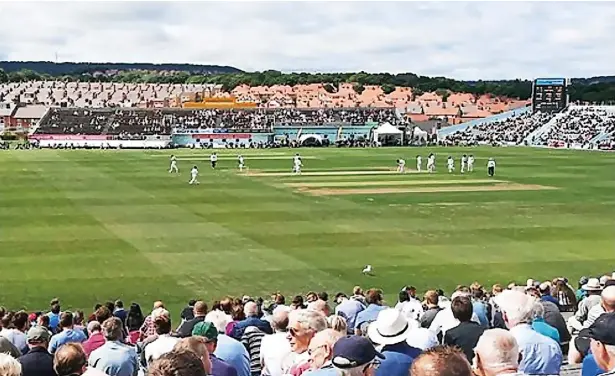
(465, 40)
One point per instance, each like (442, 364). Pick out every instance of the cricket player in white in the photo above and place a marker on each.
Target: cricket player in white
(173, 165)
(431, 163)
(297, 164)
(419, 162)
(194, 173)
(491, 167)
(401, 166)
(241, 162)
(470, 163)
(464, 163)
(450, 162)
(213, 159)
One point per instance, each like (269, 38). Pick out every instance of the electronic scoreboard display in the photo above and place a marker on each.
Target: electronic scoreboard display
(549, 94)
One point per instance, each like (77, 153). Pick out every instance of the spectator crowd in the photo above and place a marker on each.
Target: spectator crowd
(580, 126)
(512, 330)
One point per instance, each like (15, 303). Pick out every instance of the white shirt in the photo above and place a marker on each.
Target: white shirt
(470, 160)
(159, 347)
(274, 348)
(464, 160)
(297, 160)
(419, 160)
(491, 164)
(240, 160)
(431, 160)
(451, 161)
(17, 338)
(402, 162)
(445, 320)
(173, 159)
(194, 172)
(213, 158)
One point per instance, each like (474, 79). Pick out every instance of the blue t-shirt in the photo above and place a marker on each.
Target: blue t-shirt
(64, 337)
(545, 329)
(369, 314)
(590, 367)
(397, 359)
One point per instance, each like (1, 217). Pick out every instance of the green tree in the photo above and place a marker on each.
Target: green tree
(388, 88)
(3, 76)
(359, 88)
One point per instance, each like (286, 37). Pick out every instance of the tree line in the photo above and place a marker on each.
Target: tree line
(595, 90)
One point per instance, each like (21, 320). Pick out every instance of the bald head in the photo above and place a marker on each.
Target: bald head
(250, 309)
(608, 298)
(441, 361)
(327, 337)
(279, 321)
(497, 352)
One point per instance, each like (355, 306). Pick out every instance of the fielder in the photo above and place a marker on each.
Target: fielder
(194, 173)
(491, 167)
(464, 163)
(401, 166)
(450, 162)
(431, 163)
(297, 164)
(173, 165)
(470, 163)
(367, 269)
(241, 163)
(214, 160)
(419, 162)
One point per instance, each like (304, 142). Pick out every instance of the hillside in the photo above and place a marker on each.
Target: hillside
(60, 69)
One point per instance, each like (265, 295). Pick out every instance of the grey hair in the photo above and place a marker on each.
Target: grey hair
(311, 320)
(9, 366)
(338, 323)
(538, 311)
(250, 309)
(498, 349)
(94, 326)
(356, 371)
(219, 319)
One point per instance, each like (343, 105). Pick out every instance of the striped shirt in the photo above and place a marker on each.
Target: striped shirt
(251, 339)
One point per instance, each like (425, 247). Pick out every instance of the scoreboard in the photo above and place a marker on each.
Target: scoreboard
(549, 94)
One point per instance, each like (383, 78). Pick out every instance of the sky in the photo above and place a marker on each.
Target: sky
(462, 40)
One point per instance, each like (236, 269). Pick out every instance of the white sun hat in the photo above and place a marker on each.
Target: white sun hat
(390, 327)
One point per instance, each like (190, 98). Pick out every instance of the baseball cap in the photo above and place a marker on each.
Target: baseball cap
(205, 329)
(38, 334)
(353, 351)
(603, 329)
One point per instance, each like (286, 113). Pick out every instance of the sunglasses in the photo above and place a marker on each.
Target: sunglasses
(312, 351)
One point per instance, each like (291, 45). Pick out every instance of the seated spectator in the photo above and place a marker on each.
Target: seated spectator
(177, 363)
(373, 298)
(602, 335)
(479, 306)
(148, 329)
(207, 331)
(445, 319)
(119, 311)
(565, 296)
(9, 366)
(17, 334)
(114, 357)
(38, 361)
(302, 327)
(539, 324)
(67, 335)
(606, 305)
(70, 360)
(441, 361)
(164, 342)
(251, 339)
(96, 339)
(349, 309)
(357, 294)
(432, 308)
(592, 290)
(54, 316)
(188, 311)
(496, 353)
(466, 334)
(237, 315)
(185, 328)
(229, 349)
(422, 339)
(321, 353)
(134, 321)
(197, 345)
(355, 356)
(251, 312)
(390, 330)
(276, 346)
(540, 354)
(545, 293)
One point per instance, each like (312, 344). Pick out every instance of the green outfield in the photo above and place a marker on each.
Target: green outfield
(90, 226)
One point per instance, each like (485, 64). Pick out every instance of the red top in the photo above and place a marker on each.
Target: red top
(95, 341)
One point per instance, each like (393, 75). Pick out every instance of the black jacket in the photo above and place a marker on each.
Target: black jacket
(465, 336)
(185, 329)
(37, 362)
